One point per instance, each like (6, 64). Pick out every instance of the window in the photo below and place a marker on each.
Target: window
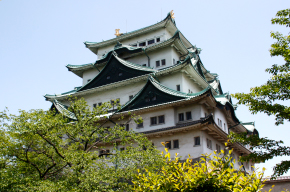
(118, 100)
(130, 97)
(94, 105)
(157, 63)
(140, 125)
(134, 45)
(168, 144)
(99, 104)
(225, 126)
(163, 62)
(122, 148)
(181, 117)
(108, 77)
(127, 127)
(153, 98)
(153, 120)
(112, 102)
(161, 119)
(158, 39)
(196, 141)
(89, 80)
(175, 144)
(120, 74)
(151, 41)
(157, 120)
(208, 143)
(144, 65)
(218, 148)
(177, 87)
(147, 99)
(173, 61)
(142, 44)
(205, 114)
(188, 90)
(104, 152)
(188, 115)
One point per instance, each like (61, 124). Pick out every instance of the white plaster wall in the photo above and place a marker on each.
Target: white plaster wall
(186, 144)
(89, 74)
(121, 92)
(194, 108)
(168, 115)
(140, 59)
(218, 114)
(188, 84)
(172, 80)
(204, 111)
(167, 53)
(162, 33)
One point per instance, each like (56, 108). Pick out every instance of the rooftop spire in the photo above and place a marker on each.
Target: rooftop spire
(172, 14)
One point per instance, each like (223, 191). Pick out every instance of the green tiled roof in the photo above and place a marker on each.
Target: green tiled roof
(163, 90)
(133, 65)
(114, 66)
(61, 108)
(167, 17)
(118, 48)
(78, 66)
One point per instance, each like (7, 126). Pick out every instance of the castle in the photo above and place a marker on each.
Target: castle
(155, 72)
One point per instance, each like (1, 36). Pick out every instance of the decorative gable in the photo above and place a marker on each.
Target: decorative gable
(116, 70)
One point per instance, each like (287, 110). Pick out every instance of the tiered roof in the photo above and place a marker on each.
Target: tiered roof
(116, 71)
(168, 22)
(175, 41)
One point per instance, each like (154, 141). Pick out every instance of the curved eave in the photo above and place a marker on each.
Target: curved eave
(123, 62)
(175, 41)
(195, 76)
(250, 126)
(61, 108)
(228, 106)
(79, 69)
(179, 127)
(165, 90)
(94, 46)
(100, 88)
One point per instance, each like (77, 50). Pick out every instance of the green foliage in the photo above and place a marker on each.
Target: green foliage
(264, 98)
(216, 174)
(263, 149)
(270, 98)
(45, 151)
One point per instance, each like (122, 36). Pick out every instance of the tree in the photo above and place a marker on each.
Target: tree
(46, 151)
(270, 99)
(214, 175)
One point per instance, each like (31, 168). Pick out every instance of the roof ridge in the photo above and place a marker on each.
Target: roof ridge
(168, 16)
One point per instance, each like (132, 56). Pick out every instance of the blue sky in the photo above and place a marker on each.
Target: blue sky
(39, 38)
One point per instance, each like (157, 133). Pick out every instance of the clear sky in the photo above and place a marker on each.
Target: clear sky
(39, 38)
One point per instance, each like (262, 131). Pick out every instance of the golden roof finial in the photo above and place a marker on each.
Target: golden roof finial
(172, 14)
(117, 32)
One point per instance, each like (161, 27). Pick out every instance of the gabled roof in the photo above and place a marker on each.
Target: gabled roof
(154, 93)
(186, 66)
(168, 21)
(179, 44)
(250, 126)
(116, 70)
(63, 109)
(119, 49)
